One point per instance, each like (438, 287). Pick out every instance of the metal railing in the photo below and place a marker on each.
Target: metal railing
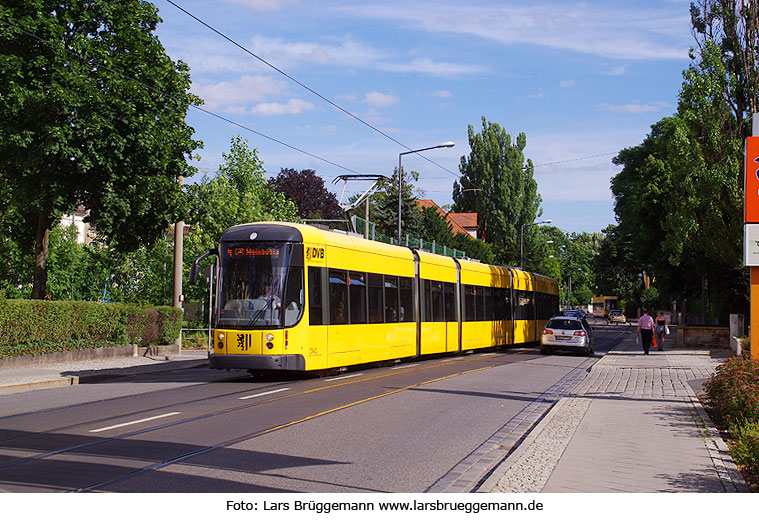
(418, 243)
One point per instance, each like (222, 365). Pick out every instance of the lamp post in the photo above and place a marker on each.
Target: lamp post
(521, 239)
(447, 144)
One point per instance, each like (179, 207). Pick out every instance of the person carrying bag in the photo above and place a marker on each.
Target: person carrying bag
(661, 330)
(645, 330)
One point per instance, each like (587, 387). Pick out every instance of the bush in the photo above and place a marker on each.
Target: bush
(734, 389)
(745, 446)
(38, 326)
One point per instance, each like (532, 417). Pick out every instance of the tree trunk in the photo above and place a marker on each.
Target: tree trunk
(44, 225)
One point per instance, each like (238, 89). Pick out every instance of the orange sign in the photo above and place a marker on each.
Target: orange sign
(751, 182)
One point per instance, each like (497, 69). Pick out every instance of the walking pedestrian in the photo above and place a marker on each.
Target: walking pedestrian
(646, 330)
(661, 330)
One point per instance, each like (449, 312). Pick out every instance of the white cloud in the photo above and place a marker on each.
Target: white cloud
(445, 94)
(347, 52)
(263, 5)
(378, 99)
(432, 67)
(619, 33)
(293, 106)
(347, 97)
(247, 89)
(617, 71)
(567, 83)
(634, 108)
(205, 54)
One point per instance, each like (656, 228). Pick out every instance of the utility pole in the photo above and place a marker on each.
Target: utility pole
(178, 251)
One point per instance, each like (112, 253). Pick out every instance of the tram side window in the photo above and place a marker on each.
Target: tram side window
(357, 285)
(315, 307)
(338, 297)
(406, 293)
(376, 299)
(524, 309)
(426, 299)
(293, 301)
(498, 304)
(530, 305)
(470, 303)
(480, 304)
(438, 304)
(449, 291)
(487, 293)
(543, 304)
(391, 299)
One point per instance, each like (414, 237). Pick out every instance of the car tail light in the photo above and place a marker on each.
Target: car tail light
(547, 332)
(580, 333)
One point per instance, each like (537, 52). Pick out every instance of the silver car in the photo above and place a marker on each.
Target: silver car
(567, 333)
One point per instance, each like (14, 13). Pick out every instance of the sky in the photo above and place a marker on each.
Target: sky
(358, 82)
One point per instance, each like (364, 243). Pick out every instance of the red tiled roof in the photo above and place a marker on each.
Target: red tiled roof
(460, 222)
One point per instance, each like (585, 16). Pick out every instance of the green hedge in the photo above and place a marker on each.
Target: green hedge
(38, 326)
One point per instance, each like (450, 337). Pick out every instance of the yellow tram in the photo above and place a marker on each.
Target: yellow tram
(295, 297)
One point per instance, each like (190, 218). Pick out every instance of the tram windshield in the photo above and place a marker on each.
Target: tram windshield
(261, 285)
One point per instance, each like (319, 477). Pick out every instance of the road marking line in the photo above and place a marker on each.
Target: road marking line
(134, 422)
(405, 366)
(262, 394)
(489, 354)
(343, 377)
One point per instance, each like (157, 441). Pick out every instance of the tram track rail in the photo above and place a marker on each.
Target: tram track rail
(83, 448)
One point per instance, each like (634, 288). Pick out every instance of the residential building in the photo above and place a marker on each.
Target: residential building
(460, 222)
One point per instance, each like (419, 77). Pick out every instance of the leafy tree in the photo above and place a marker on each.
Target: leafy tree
(16, 246)
(307, 190)
(614, 274)
(572, 262)
(473, 247)
(498, 185)
(92, 112)
(385, 207)
(236, 195)
(733, 27)
(679, 195)
(436, 228)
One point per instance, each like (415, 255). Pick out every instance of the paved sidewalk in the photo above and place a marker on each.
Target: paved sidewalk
(633, 424)
(50, 375)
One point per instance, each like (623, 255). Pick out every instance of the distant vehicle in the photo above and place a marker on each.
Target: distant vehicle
(578, 313)
(616, 316)
(601, 305)
(567, 333)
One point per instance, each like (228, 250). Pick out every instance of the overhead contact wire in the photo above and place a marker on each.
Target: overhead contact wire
(304, 86)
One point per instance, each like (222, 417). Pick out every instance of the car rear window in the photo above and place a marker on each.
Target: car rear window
(564, 324)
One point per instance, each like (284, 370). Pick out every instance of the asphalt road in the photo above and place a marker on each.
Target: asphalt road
(388, 429)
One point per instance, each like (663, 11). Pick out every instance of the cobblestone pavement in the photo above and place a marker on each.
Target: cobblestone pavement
(634, 424)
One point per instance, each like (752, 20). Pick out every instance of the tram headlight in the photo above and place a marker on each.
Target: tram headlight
(270, 337)
(220, 336)
(270, 345)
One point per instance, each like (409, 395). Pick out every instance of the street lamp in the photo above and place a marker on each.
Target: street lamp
(447, 144)
(521, 239)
